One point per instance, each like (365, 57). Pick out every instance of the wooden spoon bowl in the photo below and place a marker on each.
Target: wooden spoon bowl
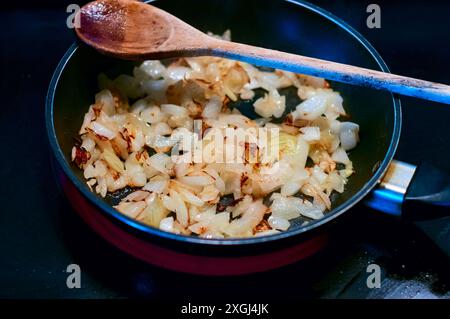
(132, 30)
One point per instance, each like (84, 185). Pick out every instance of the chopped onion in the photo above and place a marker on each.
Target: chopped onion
(167, 224)
(340, 156)
(174, 110)
(131, 209)
(212, 108)
(311, 109)
(311, 133)
(155, 212)
(102, 131)
(349, 135)
(190, 198)
(106, 101)
(202, 180)
(162, 163)
(271, 104)
(180, 208)
(158, 184)
(278, 223)
(113, 161)
(244, 225)
(177, 147)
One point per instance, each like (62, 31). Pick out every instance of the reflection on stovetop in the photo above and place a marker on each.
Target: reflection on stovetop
(411, 267)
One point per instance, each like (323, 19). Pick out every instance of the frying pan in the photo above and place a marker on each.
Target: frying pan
(292, 26)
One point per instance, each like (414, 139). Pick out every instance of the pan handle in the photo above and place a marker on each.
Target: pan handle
(419, 194)
(428, 190)
(412, 192)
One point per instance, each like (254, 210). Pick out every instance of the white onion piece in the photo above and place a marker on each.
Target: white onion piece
(131, 209)
(174, 110)
(267, 233)
(335, 106)
(349, 135)
(177, 73)
(136, 196)
(105, 99)
(212, 225)
(102, 131)
(318, 174)
(271, 104)
(88, 143)
(312, 212)
(236, 120)
(113, 183)
(157, 185)
(202, 180)
(152, 114)
(340, 156)
(336, 182)
(299, 158)
(244, 225)
(296, 179)
(158, 141)
(335, 127)
(219, 183)
(152, 68)
(135, 172)
(190, 198)
(101, 168)
(311, 133)
(113, 160)
(129, 86)
(311, 108)
(156, 90)
(89, 170)
(138, 106)
(210, 194)
(162, 129)
(278, 223)
(212, 108)
(167, 224)
(180, 208)
(182, 168)
(246, 94)
(285, 207)
(88, 118)
(154, 212)
(161, 162)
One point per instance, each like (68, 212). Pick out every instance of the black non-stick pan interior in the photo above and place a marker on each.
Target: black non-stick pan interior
(274, 24)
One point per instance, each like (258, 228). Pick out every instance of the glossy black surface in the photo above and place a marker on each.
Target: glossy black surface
(40, 235)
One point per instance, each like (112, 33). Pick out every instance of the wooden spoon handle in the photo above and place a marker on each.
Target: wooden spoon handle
(332, 71)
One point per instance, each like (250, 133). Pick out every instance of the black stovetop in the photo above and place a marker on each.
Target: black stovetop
(40, 235)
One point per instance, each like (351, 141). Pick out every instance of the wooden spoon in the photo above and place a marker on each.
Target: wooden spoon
(134, 30)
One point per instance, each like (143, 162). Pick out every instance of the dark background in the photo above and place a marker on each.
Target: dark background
(40, 234)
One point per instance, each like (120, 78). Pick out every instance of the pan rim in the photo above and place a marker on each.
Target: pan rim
(148, 230)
